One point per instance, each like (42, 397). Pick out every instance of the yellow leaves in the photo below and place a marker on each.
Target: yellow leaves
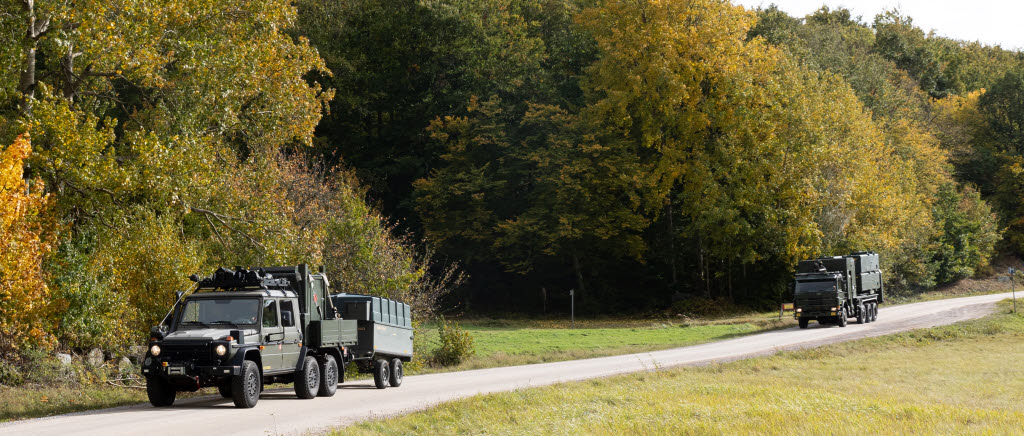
(26, 233)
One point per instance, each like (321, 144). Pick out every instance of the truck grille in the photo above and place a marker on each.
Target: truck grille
(816, 303)
(200, 352)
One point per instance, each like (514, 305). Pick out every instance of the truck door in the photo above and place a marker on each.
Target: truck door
(292, 334)
(272, 336)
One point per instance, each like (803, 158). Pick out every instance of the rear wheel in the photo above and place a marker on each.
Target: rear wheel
(396, 373)
(381, 373)
(307, 381)
(329, 375)
(246, 386)
(160, 392)
(874, 312)
(862, 314)
(803, 322)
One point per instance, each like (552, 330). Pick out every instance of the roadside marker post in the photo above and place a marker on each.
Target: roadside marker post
(1013, 288)
(572, 307)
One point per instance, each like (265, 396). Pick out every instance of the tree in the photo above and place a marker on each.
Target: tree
(26, 238)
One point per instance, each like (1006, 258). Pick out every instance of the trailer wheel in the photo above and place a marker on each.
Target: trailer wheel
(381, 373)
(874, 312)
(396, 372)
(246, 387)
(160, 392)
(842, 318)
(803, 322)
(307, 382)
(329, 372)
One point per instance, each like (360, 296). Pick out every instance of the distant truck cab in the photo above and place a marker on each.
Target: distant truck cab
(245, 328)
(832, 289)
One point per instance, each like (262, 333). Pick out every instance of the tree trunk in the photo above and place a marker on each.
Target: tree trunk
(671, 243)
(36, 29)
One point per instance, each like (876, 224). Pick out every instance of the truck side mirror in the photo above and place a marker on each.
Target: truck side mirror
(178, 295)
(157, 331)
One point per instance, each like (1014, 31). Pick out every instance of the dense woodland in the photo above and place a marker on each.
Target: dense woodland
(476, 156)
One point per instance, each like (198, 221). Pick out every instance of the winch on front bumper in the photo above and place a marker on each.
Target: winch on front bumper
(190, 365)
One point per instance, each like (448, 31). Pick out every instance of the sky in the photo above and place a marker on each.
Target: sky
(991, 22)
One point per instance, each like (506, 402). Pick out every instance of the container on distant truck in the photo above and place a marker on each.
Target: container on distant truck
(832, 289)
(245, 328)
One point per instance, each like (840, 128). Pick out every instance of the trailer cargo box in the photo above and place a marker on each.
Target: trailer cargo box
(384, 326)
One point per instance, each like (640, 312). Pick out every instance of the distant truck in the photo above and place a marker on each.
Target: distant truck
(244, 328)
(832, 289)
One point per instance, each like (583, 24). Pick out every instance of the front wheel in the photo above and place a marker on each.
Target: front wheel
(803, 322)
(160, 392)
(842, 318)
(329, 374)
(381, 373)
(307, 381)
(396, 372)
(246, 386)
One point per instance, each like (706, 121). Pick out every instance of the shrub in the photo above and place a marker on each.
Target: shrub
(9, 374)
(456, 344)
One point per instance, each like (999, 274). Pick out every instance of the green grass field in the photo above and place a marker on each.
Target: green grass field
(505, 343)
(959, 379)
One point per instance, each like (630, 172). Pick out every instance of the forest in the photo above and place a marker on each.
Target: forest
(487, 156)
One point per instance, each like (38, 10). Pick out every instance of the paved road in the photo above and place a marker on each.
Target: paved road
(279, 412)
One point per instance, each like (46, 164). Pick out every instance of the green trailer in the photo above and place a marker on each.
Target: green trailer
(385, 333)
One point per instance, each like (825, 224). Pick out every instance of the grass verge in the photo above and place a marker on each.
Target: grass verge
(959, 379)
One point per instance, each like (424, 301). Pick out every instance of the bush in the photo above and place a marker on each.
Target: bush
(456, 344)
(705, 307)
(9, 374)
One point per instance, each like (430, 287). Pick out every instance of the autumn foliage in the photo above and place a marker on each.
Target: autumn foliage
(26, 238)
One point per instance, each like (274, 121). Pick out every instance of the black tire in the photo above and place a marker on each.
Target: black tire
(247, 385)
(225, 389)
(396, 373)
(874, 312)
(307, 381)
(862, 314)
(328, 376)
(841, 320)
(803, 322)
(381, 373)
(160, 392)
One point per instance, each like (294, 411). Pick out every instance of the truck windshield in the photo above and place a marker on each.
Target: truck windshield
(802, 287)
(207, 311)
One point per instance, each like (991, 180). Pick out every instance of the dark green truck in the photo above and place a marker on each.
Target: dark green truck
(244, 328)
(832, 289)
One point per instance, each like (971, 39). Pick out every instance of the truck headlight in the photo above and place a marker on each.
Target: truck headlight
(799, 309)
(833, 309)
(154, 350)
(221, 350)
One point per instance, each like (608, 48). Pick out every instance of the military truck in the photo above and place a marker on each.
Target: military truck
(832, 289)
(242, 329)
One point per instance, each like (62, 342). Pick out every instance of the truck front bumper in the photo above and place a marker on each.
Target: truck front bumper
(185, 369)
